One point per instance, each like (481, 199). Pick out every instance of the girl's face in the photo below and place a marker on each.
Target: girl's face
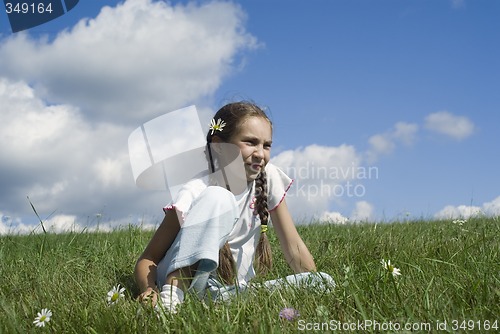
(254, 141)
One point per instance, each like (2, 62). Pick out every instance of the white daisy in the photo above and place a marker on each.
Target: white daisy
(115, 294)
(42, 317)
(460, 222)
(219, 126)
(390, 268)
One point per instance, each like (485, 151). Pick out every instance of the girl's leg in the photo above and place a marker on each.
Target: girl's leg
(315, 280)
(181, 278)
(309, 280)
(185, 279)
(195, 251)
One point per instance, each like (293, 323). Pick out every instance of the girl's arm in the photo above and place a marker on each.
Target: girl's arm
(296, 253)
(145, 268)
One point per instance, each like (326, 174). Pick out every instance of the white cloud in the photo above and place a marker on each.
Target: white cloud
(461, 211)
(63, 223)
(62, 161)
(52, 154)
(134, 61)
(64, 138)
(69, 223)
(385, 143)
(109, 171)
(323, 176)
(381, 144)
(332, 218)
(444, 122)
(491, 209)
(405, 132)
(362, 212)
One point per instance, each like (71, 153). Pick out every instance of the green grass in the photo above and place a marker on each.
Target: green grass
(449, 273)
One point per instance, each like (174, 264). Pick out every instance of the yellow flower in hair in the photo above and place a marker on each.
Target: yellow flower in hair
(217, 126)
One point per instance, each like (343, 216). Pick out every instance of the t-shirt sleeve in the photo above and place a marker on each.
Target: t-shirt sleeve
(278, 184)
(185, 197)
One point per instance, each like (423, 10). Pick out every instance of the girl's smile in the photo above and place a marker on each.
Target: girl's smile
(254, 141)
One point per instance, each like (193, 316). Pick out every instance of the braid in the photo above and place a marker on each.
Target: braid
(261, 197)
(263, 255)
(227, 266)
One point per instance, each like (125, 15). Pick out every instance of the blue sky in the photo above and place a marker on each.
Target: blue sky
(408, 89)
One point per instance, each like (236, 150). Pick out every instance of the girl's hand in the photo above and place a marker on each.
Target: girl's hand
(150, 296)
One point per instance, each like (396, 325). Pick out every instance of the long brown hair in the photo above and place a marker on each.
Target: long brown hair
(233, 115)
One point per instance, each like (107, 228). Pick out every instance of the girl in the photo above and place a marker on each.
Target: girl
(213, 236)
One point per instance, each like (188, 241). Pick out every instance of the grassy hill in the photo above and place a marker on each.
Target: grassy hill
(450, 280)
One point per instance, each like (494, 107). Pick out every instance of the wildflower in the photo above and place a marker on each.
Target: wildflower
(390, 268)
(347, 270)
(115, 294)
(42, 317)
(289, 313)
(459, 222)
(347, 275)
(217, 126)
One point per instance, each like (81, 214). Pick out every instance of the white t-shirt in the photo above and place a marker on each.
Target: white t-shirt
(245, 235)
